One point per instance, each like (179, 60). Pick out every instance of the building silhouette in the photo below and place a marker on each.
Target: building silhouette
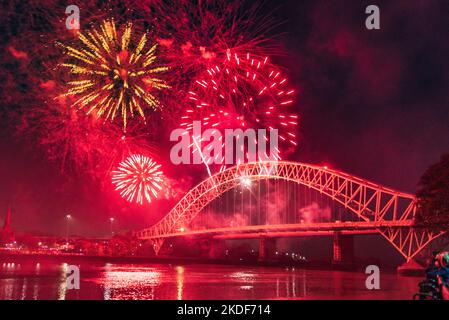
(6, 233)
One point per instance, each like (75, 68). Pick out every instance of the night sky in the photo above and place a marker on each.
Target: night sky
(373, 103)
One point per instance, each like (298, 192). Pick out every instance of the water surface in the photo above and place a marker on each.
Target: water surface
(26, 279)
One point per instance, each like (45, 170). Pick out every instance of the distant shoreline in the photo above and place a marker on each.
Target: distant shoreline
(75, 258)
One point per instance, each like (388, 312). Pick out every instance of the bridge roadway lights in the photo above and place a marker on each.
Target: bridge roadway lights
(267, 249)
(343, 250)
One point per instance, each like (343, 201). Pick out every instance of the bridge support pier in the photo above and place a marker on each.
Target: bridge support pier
(217, 249)
(411, 268)
(267, 248)
(343, 250)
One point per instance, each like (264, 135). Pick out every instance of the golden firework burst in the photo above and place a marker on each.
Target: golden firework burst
(112, 74)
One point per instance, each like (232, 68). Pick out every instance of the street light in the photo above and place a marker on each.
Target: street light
(67, 218)
(112, 221)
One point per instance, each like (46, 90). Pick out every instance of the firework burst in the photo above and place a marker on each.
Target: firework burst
(243, 92)
(138, 178)
(194, 35)
(112, 73)
(199, 32)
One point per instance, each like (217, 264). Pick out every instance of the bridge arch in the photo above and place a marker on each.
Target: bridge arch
(392, 212)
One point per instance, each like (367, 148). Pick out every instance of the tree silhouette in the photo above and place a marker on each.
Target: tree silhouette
(433, 196)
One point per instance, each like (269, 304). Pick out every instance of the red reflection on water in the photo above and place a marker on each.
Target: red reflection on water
(47, 280)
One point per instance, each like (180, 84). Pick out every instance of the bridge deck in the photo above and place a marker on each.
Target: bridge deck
(291, 230)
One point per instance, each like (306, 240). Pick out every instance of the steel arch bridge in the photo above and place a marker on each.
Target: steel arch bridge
(386, 211)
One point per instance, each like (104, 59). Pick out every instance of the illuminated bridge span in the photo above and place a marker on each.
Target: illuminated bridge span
(375, 209)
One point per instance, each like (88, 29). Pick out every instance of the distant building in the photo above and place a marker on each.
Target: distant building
(6, 233)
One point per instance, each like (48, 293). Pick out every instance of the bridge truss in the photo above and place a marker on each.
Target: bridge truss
(392, 212)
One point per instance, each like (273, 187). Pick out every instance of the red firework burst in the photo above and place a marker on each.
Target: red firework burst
(197, 33)
(243, 92)
(80, 144)
(194, 35)
(138, 178)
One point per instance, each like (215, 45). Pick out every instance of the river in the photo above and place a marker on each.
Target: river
(46, 279)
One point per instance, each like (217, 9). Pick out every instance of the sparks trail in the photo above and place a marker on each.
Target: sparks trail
(243, 92)
(113, 73)
(138, 178)
(197, 33)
